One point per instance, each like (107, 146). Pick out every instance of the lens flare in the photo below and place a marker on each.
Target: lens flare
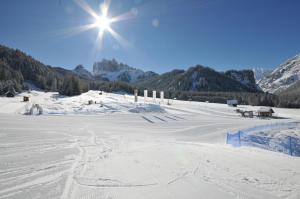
(103, 22)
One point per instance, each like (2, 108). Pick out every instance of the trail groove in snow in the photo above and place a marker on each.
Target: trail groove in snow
(100, 182)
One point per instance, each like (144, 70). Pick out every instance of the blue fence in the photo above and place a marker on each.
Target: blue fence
(284, 144)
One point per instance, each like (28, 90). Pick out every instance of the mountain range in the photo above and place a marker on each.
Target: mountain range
(16, 68)
(197, 78)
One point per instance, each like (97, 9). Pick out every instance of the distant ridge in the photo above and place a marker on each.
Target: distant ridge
(200, 78)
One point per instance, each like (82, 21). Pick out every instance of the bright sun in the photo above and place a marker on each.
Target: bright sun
(103, 22)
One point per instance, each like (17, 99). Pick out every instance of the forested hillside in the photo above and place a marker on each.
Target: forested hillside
(200, 78)
(16, 68)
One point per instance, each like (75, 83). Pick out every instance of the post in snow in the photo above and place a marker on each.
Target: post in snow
(135, 95)
(145, 94)
(154, 95)
(162, 96)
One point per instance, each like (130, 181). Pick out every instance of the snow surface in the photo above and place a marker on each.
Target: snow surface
(136, 150)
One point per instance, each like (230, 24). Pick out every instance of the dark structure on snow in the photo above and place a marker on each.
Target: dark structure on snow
(265, 112)
(25, 99)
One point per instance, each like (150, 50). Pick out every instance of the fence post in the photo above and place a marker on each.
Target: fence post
(290, 145)
(136, 95)
(239, 138)
(227, 138)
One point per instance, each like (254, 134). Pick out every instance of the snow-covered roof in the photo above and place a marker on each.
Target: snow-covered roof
(265, 109)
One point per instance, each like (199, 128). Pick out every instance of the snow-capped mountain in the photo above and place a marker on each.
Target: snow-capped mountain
(112, 70)
(283, 77)
(82, 72)
(261, 73)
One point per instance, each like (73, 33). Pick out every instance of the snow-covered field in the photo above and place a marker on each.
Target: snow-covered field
(118, 149)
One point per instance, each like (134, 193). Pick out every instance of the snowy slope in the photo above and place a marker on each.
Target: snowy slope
(282, 77)
(261, 73)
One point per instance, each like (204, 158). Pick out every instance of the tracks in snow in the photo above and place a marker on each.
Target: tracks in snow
(88, 148)
(104, 182)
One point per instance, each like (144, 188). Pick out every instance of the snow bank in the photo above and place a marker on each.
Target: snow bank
(145, 108)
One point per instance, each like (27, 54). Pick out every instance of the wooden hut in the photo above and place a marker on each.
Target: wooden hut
(265, 112)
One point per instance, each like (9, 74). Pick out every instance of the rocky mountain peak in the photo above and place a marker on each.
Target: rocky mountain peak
(82, 72)
(112, 70)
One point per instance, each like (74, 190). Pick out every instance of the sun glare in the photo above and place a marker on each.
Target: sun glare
(103, 22)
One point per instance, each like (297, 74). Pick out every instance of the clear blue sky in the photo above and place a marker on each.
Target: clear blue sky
(222, 34)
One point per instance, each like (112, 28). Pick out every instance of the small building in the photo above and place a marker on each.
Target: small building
(265, 112)
(25, 98)
(232, 102)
